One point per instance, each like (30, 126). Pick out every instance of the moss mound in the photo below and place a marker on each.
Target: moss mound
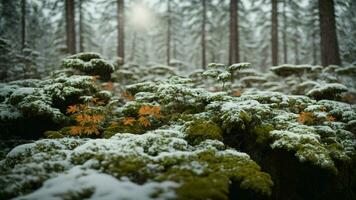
(201, 130)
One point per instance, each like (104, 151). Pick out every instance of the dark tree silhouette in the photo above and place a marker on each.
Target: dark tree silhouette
(329, 45)
(81, 27)
(274, 32)
(234, 34)
(70, 26)
(169, 33)
(23, 24)
(203, 32)
(121, 29)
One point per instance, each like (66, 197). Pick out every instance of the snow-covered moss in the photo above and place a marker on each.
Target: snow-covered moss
(89, 63)
(327, 91)
(288, 70)
(200, 130)
(43, 99)
(159, 157)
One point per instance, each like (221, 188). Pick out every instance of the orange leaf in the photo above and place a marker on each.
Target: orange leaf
(97, 118)
(96, 77)
(306, 118)
(144, 121)
(72, 109)
(127, 96)
(76, 130)
(236, 93)
(91, 130)
(330, 118)
(82, 119)
(109, 86)
(156, 111)
(129, 121)
(94, 100)
(83, 107)
(145, 110)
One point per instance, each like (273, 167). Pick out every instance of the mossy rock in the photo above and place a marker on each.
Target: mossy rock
(90, 64)
(201, 130)
(85, 56)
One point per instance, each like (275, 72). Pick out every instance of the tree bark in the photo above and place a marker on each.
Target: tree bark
(70, 26)
(23, 24)
(234, 34)
(274, 32)
(121, 29)
(328, 39)
(285, 47)
(81, 27)
(314, 46)
(133, 47)
(169, 33)
(203, 45)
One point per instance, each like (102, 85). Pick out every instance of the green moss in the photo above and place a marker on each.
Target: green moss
(65, 130)
(262, 133)
(131, 108)
(53, 134)
(246, 117)
(201, 130)
(213, 178)
(178, 117)
(130, 166)
(89, 63)
(120, 128)
(214, 186)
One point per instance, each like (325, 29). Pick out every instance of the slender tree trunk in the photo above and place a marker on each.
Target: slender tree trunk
(81, 27)
(70, 26)
(285, 47)
(133, 47)
(314, 46)
(296, 39)
(234, 35)
(203, 44)
(174, 50)
(328, 39)
(274, 32)
(169, 33)
(296, 51)
(121, 29)
(23, 24)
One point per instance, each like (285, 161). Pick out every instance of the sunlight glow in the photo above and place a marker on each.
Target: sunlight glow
(140, 16)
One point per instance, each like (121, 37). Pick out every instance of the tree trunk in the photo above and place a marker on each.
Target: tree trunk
(169, 32)
(296, 51)
(23, 24)
(328, 39)
(203, 45)
(274, 32)
(133, 47)
(121, 29)
(81, 27)
(285, 47)
(234, 35)
(70, 26)
(314, 46)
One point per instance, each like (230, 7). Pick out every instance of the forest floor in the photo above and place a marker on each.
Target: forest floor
(97, 130)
